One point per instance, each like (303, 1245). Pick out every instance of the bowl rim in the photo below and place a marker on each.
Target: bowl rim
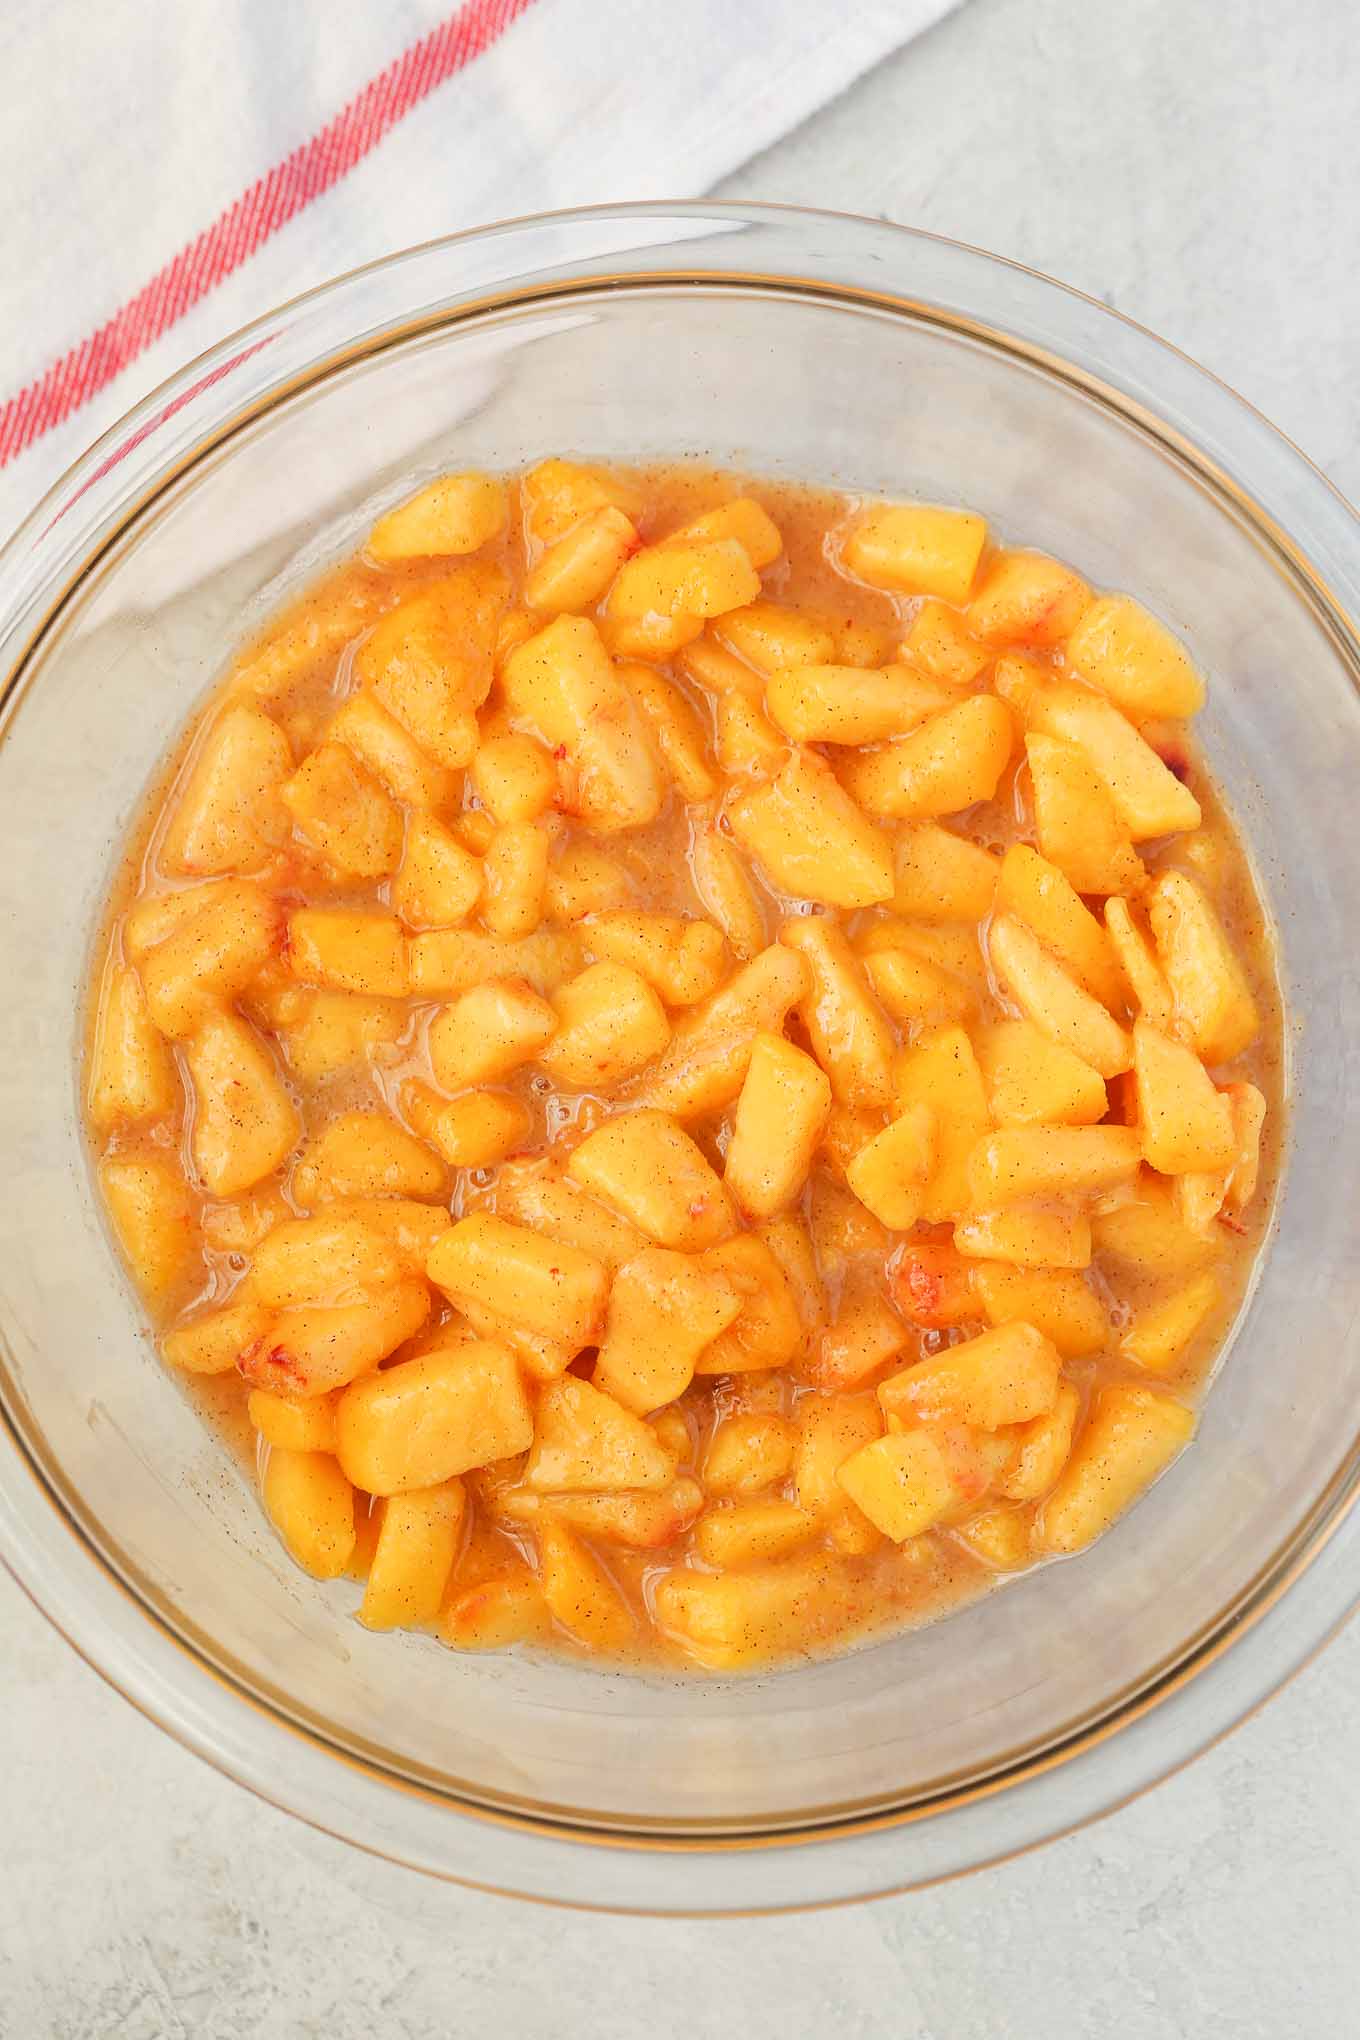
(858, 1855)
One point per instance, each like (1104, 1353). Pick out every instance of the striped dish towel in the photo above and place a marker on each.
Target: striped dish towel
(174, 172)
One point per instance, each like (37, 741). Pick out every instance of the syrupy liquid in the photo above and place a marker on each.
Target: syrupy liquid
(300, 671)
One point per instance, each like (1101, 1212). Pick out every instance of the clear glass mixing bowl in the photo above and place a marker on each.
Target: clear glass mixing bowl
(796, 344)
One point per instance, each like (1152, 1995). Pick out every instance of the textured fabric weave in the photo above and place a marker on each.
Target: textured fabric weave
(173, 172)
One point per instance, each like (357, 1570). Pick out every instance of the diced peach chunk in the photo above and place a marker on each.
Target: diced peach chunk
(767, 1330)
(1005, 1376)
(846, 1024)
(487, 1031)
(1078, 825)
(1040, 1449)
(863, 1336)
(780, 1116)
(412, 1227)
(353, 950)
(939, 643)
(451, 960)
(916, 549)
(579, 1592)
(890, 1174)
(949, 762)
(438, 882)
(210, 957)
(1023, 1162)
(1001, 1537)
(723, 882)
(1149, 797)
(730, 1621)
(296, 1424)
(811, 839)
(132, 1073)
(391, 753)
(740, 1534)
(610, 1025)
(456, 514)
(676, 729)
(748, 1452)
(684, 577)
(563, 685)
(1052, 998)
(1032, 1079)
(1160, 1335)
(1130, 1437)
(768, 636)
(1146, 1236)
(425, 1420)
(473, 1131)
(365, 1154)
(1038, 894)
(315, 1348)
(428, 661)
(212, 1342)
(1029, 1235)
(939, 876)
(1026, 598)
(538, 1193)
(1123, 650)
(902, 1483)
(1140, 966)
(710, 1051)
(748, 745)
(1186, 1123)
(1209, 987)
(941, 1073)
(494, 1613)
(575, 572)
(416, 1547)
(339, 806)
(311, 1505)
(245, 1124)
(541, 1284)
(744, 520)
(852, 704)
(647, 1168)
(915, 992)
(322, 1260)
(930, 1282)
(229, 815)
(559, 494)
(1060, 1303)
(664, 1309)
(585, 1440)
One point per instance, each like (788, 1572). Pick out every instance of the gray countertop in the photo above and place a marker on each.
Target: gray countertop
(1194, 164)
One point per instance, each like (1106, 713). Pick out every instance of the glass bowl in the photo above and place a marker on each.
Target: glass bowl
(796, 344)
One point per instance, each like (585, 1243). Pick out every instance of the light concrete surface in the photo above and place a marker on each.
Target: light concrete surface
(1193, 162)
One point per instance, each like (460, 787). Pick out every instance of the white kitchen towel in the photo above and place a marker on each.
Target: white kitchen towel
(173, 171)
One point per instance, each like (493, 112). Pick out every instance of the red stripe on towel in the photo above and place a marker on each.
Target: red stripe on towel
(269, 204)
